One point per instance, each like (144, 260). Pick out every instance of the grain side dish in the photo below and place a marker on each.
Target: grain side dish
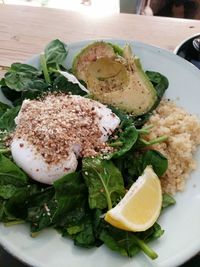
(183, 132)
(78, 142)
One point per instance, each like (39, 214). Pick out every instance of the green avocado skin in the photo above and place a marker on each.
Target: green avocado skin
(136, 96)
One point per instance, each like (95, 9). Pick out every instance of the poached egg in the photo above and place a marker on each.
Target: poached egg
(51, 134)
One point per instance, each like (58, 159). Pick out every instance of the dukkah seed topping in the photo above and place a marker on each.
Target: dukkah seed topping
(60, 123)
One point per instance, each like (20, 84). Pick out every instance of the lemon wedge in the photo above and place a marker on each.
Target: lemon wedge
(140, 207)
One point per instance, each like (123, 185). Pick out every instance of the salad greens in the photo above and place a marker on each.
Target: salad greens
(76, 203)
(104, 181)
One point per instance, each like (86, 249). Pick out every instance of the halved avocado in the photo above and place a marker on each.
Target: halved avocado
(121, 82)
(90, 54)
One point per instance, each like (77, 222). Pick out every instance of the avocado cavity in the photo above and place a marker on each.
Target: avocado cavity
(118, 81)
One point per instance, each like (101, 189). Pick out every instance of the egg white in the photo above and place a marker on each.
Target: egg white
(33, 163)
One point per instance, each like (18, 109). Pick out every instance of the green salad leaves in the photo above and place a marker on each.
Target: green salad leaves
(76, 203)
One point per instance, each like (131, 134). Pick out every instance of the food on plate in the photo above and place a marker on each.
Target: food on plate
(92, 170)
(183, 131)
(144, 195)
(53, 132)
(89, 54)
(114, 79)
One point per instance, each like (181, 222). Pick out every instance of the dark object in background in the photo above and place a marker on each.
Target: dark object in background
(131, 7)
(180, 9)
(6, 260)
(190, 50)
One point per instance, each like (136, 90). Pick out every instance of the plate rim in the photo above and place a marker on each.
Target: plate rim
(11, 248)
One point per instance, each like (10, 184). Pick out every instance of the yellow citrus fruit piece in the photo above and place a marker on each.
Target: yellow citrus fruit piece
(140, 207)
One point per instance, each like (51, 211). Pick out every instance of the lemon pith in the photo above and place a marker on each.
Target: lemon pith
(141, 206)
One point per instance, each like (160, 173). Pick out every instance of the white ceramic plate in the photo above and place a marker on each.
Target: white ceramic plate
(181, 222)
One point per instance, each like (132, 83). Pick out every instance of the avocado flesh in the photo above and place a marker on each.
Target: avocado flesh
(115, 79)
(90, 54)
(106, 75)
(104, 68)
(129, 90)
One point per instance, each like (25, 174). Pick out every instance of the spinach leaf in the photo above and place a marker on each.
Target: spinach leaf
(160, 82)
(139, 121)
(55, 52)
(133, 164)
(3, 108)
(119, 241)
(73, 223)
(167, 200)
(127, 137)
(17, 205)
(11, 173)
(72, 215)
(70, 192)
(7, 191)
(128, 243)
(80, 229)
(61, 84)
(36, 89)
(19, 76)
(138, 163)
(2, 203)
(151, 234)
(7, 120)
(41, 208)
(122, 115)
(156, 160)
(86, 237)
(13, 96)
(104, 182)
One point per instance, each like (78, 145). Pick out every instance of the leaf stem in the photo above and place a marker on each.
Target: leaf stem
(116, 144)
(44, 68)
(34, 234)
(145, 248)
(14, 223)
(154, 141)
(4, 150)
(145, 130)
(107, 194)
(109, 202)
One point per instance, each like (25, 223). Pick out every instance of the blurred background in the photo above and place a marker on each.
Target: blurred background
(189, 9)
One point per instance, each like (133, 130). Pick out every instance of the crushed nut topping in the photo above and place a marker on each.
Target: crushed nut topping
(58, 124)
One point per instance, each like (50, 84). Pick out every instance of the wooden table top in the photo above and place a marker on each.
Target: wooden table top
(24, 31)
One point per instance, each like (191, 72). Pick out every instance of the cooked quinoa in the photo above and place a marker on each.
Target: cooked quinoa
(183, 131)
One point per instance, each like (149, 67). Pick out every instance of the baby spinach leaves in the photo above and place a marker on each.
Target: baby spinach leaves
(61, 84)
(167, 200)
(7, 191)
(128, 243)
(55, 52)
(3, 108)
(104, 182)
(160, 83)
(70, 192)
(25, 81)
(156, 160)
(10, 173)
(7, 120)
(127, 137)
(19, 76)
